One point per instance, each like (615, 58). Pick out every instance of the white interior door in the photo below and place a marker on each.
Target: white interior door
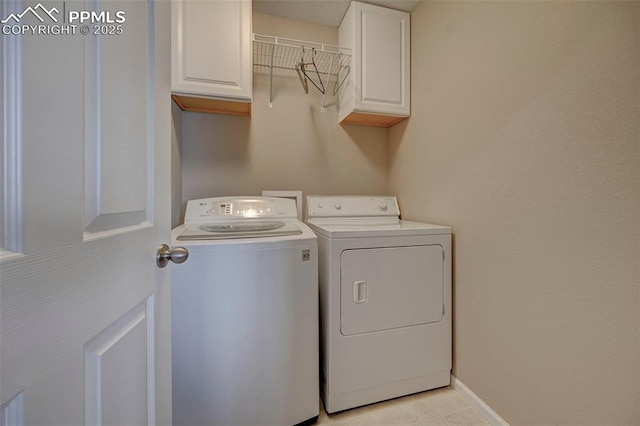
(84, 310)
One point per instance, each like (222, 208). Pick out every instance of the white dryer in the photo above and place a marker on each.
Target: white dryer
(385, 300)
(245, 315)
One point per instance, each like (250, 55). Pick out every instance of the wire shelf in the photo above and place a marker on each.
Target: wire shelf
(315, 62)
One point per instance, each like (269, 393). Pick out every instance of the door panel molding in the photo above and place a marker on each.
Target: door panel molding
(12, 412)
(12, 208)
(113, 342)
(119, 197)
(92, 131)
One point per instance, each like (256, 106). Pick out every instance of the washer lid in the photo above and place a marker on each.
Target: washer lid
(238, 229)
(373, 227)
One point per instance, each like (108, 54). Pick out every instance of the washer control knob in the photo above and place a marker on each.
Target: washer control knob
(338, 206)
(382, 205)
(319, 206)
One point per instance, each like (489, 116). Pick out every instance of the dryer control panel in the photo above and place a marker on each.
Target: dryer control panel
(352, 206)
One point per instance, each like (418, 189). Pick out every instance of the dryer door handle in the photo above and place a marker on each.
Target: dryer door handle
(360, 291)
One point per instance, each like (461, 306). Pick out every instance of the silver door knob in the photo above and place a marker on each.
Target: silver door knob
(166, 254)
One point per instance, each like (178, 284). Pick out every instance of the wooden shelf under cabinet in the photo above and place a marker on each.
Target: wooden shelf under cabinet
(375, 120)
(216, 106)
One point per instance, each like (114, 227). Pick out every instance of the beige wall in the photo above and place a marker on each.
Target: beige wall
(525, 138)
(292, 146)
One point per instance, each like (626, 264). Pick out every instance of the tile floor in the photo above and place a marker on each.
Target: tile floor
(438, 407)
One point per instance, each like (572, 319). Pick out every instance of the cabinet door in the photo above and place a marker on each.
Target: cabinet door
(211, 48)
(382, 37)
(379, 84)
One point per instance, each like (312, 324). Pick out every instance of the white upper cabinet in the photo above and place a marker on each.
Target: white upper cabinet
(211, 62)
(377, 90)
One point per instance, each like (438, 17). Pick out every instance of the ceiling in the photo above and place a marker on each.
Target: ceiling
(323, 12)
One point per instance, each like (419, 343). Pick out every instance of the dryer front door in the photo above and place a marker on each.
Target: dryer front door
(389, 288)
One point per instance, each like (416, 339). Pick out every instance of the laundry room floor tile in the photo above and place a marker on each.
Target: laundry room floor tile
(438, 407)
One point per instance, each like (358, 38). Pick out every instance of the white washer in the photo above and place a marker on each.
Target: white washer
(245, 315)
(385, 300)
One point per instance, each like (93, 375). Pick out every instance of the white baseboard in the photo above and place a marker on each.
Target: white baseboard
(475, 401)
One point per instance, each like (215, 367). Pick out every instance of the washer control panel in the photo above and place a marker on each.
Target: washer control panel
(352, 206)
(238, 208)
